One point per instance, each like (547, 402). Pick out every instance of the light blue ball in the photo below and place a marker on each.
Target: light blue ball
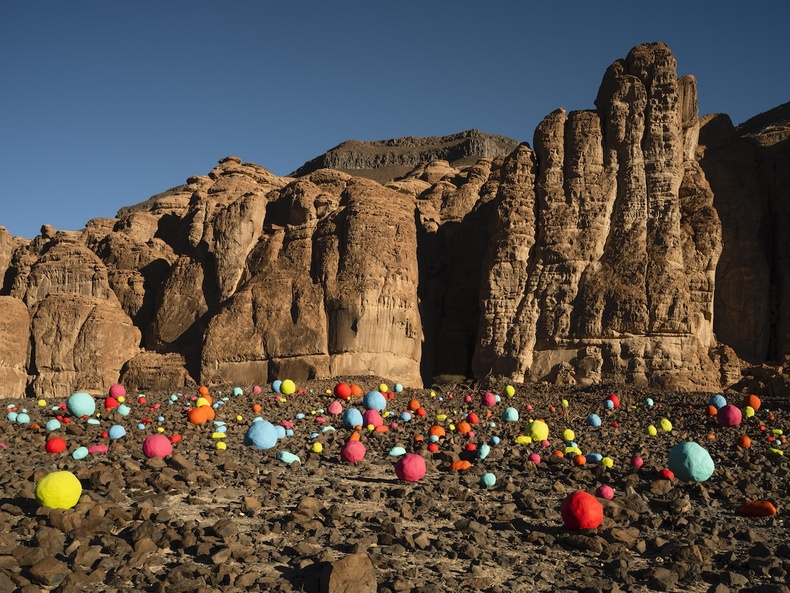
(300, 416)
(289, 432)
(280, 430)
(608, 404)
(141, 426)
(690, 462)
(276, 386)
(649, 402)
(238, 391)
(483, 451)
(510, 415)
(93, 421)
(81, 404)
(375, 400)
(52, 424)
(123, 410)
(494, 440)
(116, 431)
(398, 387)
(405, 416)
(352, 417)
(487, 480)
(80, 453)
(22, 418)
(261, 435)
(11, 416)
(717, 401)
(594, 420)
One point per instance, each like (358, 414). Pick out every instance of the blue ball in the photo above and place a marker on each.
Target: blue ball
(510, 415)
(494, 440)
(487, 480)
(594, 420)
(80, 453)
(238, 391)
(276, 386)
(261, 435)
(718, 401)
(352, 417)
(52, 424)
(117, 431)
(690, 462)
(649, 402)
(81, 404)
(22, 418)
(375, 400)
(593, 457)
(123, 410)
(608, 404)
(405, 416)
(398, 387)
(280, 430)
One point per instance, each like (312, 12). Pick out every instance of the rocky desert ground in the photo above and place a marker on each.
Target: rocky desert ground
(241, 519)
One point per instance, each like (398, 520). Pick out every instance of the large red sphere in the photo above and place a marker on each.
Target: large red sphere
(55, 445)
(581, 510)
(157, 445)
(410, 468)
(353, 452)
(343, 390)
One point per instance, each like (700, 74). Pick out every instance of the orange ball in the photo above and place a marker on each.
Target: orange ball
(463, 427)
(414, 405)
(203, 390)
(356, 390)
(712, 410)
(752, 401)
(257, 408)
(579, 460)
(436, 430)
(744, 442)
(199, 415)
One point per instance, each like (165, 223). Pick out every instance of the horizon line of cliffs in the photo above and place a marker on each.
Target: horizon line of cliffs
(636, 243)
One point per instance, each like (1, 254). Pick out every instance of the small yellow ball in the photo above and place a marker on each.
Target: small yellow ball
(317, 448)
(287, 387)
(160, 429)
(568, 435)
(239, 418)
(221, 446)
(383, 387)
(651, 430)
(121, 399)
(748, 411)
(666, 425)
(42, 402)
(565, 403)
(510, 391)
(451, 426)
(607, 461)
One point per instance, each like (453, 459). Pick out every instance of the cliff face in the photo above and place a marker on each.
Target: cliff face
(603, 254)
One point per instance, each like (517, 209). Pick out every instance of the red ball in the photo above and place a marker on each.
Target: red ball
(581, 510)
(110, 403)
(472, 418)
(55, 445)
(343, 390)
(353, 452)
(615, 400)
(666, 474)
(157, 445)
(410, 468)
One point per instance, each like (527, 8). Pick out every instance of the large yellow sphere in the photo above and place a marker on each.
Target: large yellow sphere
(539, 430)
(58, 490)
(287, 387)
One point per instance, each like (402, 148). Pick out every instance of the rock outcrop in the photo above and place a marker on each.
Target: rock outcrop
(603, 254)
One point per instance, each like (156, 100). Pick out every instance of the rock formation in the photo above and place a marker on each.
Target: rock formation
(604, 254)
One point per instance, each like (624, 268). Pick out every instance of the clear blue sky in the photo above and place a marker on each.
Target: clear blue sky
(105, 103)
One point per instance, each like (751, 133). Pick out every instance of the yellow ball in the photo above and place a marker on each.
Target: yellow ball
(565, 403)
(568, 435)
(221, 446)
(607, 461)
(239, 418)
(201, 401)
(651, 430)
(160, 429)
(510, 391)
(666, 425)
(42, 402)
(539, 430)
(121, 399)
(287, 387)
(523, 439)
(451, 426)
(317, 448)
(441, 417)
(58, 490)
(433, 394)
(748, 411)
(383, 387)
(371, 427)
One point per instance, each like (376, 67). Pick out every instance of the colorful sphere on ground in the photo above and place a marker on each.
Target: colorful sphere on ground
(81, 404)
(58, 490)
(410, 468)
(581, 510)
(261, 435)
(690, 462)
(157, 445)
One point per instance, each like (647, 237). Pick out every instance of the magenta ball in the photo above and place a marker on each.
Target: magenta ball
(729, 415)
(637, 461)
(157, 445)
(605, 491)
(372, 417)
(489, 399)
(117, 391)
(534, 458)
(410, 468)
(353, 452)
(581, 510)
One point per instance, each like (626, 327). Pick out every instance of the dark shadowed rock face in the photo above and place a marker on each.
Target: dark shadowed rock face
(596, 256)
(749, 172)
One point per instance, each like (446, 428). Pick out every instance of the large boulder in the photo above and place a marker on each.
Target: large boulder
(14, 338)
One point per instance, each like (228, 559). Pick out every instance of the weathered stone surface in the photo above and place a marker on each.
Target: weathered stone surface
(148, 371)
(615, 273)
(352, 573)
(79, 342)
(14, 336)
(749, 172)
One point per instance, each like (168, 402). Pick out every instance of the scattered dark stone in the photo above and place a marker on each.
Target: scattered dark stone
(49, 572)
(663, 579)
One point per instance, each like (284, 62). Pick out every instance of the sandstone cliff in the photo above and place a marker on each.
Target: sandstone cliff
(621, 248)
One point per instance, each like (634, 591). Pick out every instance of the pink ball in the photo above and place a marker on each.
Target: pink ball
(117, 391)
(637, 461)
(545, 443)
(489, 399)
(468, 399)
(534, 458)
(353, 452)
(256, 389)
(372, 417)
(335, 408)
(729, 415)
(581, 510)
(157, 445)
(410, 468)
(605, 491)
